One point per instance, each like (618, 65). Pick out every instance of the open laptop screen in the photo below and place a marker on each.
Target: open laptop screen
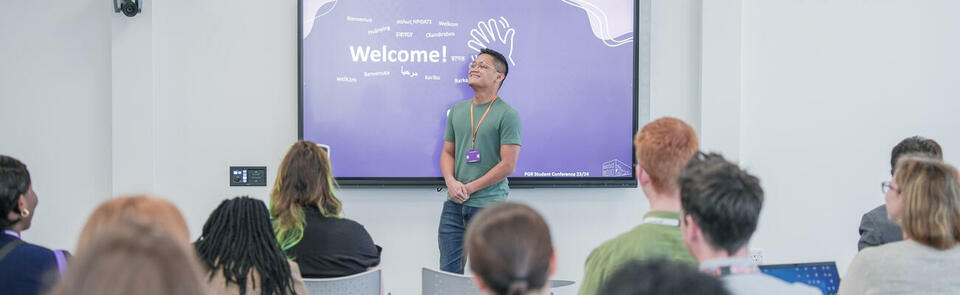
(822, 275)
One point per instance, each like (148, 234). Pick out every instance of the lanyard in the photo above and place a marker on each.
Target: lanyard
(12, 233)
(475, 130)
(735, 269)
(662, 221)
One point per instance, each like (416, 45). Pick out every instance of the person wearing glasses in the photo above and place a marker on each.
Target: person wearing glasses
(875, 228)
(480, 149)
(924, 199)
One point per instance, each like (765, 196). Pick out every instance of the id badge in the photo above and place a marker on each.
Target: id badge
(473, 156)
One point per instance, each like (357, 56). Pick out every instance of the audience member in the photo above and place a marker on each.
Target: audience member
(721, 208)
(510, 250)
(133, 257)
(158, 212)
(924, 198)
(875, 228)
(305, 214)
(659, 276)
(25, 268)
(663, 147)
(241, 252)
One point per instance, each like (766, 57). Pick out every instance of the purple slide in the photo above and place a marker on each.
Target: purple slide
(379, 76)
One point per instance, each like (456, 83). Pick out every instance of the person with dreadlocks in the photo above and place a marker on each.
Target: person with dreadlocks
(306, 218)
(241, 253)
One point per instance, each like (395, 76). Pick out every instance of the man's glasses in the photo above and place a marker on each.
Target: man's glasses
(481, 65)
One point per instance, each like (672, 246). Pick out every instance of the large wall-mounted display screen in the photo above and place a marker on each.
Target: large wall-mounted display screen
(378, 77)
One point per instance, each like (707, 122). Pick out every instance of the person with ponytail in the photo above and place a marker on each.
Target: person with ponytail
(306, 218)
(510, 250)
(241, 254)
(25, 268)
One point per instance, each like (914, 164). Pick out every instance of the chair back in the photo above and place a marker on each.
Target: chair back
(436, 282)
(365, 283)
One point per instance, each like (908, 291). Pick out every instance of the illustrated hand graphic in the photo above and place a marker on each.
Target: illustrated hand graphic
(492, 32)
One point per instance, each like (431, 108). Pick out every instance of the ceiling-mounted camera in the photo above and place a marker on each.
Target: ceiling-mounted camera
(129, 8)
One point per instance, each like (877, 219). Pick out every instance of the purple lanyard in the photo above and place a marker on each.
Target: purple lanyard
(734, 269)
(61, 258)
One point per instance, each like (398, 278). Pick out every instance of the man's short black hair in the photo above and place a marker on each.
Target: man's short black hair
(724, 200)
(658, 276)
(915, 145)
(500, 63)
(14, 181)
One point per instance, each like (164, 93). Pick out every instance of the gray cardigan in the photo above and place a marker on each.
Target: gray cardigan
(904, 267)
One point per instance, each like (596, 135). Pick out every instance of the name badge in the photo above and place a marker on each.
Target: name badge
(473, 156)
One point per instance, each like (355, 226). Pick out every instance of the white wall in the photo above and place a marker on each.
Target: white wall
(829, 87)
(55, 108)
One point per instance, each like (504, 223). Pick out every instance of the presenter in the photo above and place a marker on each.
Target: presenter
(480, 149)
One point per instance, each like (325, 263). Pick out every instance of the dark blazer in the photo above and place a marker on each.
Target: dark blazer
(29, 269)
(333, 247)
(876, 229)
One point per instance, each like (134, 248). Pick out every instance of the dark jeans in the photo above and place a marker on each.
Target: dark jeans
(453, 225)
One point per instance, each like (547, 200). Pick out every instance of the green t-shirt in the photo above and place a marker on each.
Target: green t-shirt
(501, 126)
(644, 241)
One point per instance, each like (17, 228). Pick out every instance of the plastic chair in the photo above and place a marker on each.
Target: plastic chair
(365, 283)
(437, 282)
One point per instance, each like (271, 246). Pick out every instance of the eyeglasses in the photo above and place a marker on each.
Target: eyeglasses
(886, 186)
(481, 65)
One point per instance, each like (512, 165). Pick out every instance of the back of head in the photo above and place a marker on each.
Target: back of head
(915, 145)
(238, 240)
(151, 210)
(304, 178)
(931, 201)
(14, 182)
(509, 248)
(133, 258)
(663, 147)
(661, 277)
(724, 200)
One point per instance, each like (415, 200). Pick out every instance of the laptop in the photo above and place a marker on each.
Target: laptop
(822, 275)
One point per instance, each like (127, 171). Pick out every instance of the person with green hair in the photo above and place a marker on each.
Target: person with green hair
(306, 218)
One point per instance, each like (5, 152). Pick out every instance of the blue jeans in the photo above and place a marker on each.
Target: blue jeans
(453, 225)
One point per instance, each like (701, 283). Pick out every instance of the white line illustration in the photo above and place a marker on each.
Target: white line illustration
(615, 167)
(601, 24)
(310, 9)
(490, 32)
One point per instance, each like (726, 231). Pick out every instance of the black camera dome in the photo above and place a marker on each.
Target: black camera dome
(130, 8)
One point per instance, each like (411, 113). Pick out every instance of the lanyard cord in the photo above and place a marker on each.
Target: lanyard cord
(476, 130)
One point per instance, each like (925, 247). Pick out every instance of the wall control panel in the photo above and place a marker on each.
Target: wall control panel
(248, 176)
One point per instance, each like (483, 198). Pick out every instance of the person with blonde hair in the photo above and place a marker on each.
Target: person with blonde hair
(133, 257)
(306, 218)
(875, 228)
(510, 250)
(151, 210)
(924, 198)
(663, 147)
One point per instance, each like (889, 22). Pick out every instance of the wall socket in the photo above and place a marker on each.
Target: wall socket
(756, 255)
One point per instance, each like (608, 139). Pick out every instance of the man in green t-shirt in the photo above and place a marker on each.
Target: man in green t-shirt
(663, 147)
(480, 149)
